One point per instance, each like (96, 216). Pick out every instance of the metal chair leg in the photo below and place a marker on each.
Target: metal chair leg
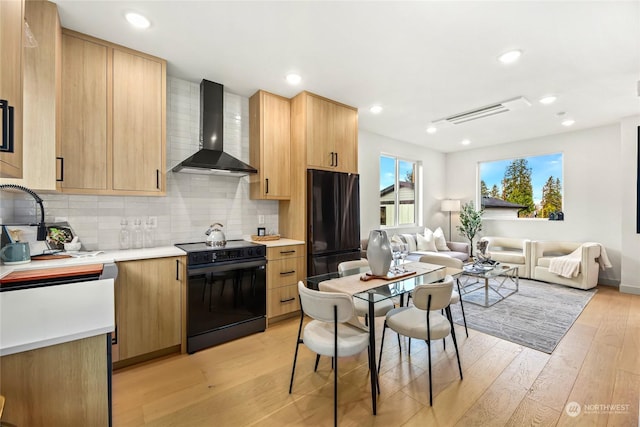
(384, 329)
(295, 357)
(455, 343)
(464, 318)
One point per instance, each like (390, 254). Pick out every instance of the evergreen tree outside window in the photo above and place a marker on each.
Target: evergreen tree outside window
(526, 187)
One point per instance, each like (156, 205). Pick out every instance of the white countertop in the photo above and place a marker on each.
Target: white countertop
(49, 315)
(279, 242)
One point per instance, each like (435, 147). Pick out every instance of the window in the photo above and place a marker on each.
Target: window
(528, 187)
(398, 191)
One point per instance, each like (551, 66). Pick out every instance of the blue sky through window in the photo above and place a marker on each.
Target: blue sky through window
(542, 167)
(388, 171)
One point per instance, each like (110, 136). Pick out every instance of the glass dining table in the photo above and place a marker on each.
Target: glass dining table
(374, 290)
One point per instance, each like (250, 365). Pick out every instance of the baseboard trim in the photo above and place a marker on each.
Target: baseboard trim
(628, 289)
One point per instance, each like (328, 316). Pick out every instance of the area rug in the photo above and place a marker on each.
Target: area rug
(537, 316)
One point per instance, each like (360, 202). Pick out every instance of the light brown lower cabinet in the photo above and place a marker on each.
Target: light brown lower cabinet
(149, 309)
(285, 267)
(60, 385)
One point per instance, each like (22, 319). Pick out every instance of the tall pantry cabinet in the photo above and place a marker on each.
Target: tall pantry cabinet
(11, 68)
(113, 119)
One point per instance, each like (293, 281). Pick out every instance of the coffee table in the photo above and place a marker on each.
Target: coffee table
(498, 282)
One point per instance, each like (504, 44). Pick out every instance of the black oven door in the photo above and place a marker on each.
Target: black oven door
(225, 301)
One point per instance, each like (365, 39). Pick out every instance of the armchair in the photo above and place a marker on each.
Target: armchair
(512, 251)
(543, 252)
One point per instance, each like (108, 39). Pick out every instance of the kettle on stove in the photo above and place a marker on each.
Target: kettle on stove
(215, 236)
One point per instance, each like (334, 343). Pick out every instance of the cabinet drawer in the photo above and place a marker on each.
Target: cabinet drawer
(289, 251)
(283, 300)
(283, 272)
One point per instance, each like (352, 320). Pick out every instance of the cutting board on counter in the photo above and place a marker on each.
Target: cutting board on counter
(51, 273)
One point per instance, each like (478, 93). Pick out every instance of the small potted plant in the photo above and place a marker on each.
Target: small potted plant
(58, 237)
(470, 222)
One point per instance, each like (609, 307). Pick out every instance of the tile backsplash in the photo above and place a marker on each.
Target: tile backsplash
(192, 203)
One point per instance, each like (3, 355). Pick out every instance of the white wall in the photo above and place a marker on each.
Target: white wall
(370, 147)
(192, 201)
(630, 244)
(593, 189)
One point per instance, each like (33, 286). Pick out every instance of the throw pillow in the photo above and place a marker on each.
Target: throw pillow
(426, 242)
(411, 241)
(441, 242)
(396, 239)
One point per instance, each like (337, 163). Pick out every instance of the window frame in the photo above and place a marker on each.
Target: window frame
(487, 216)
(417, 195)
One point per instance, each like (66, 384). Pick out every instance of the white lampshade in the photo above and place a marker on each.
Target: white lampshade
(450, 205)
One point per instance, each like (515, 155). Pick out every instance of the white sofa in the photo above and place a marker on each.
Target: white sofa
(458, 250)
(543, 252)
(513, 251)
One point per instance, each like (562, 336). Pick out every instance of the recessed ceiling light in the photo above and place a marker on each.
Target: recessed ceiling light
(465, 142)
(137, 20)
(376, 109)
(511, 56)
(294, 78)
(432, 129)
(568, 122)
(546, 100)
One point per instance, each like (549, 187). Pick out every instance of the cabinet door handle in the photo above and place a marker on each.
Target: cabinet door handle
(284, 273)
(287, 252)
(177, 269)
(266, 181)
(61, 169)
(333, 159)
(287, 300)
(158, 179)
(336, 159)
(7, 126)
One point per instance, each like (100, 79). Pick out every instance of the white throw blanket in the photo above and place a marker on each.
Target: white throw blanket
(569, 265)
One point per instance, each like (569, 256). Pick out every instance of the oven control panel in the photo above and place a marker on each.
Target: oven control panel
(223, 255)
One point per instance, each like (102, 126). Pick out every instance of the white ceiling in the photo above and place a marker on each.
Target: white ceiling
(421, 61)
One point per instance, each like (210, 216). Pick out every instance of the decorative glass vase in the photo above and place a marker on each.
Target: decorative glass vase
(379, 252)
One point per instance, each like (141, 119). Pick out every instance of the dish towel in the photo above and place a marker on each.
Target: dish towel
(569, 265)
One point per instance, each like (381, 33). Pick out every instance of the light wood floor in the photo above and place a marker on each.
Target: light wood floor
(245, 382)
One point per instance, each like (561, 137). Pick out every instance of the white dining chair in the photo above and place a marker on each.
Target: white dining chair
(382, 305)
(423, 320)
(452, 263)
(334, 331)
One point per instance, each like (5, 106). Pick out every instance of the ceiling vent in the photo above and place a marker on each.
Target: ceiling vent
(486, 111)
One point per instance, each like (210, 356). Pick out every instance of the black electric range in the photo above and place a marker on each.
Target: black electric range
(226, 292)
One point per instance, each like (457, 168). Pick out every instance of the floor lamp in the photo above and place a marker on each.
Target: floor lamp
(449, 205)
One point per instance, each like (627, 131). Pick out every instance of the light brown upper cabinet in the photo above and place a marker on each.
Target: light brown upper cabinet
(41, 97)
(113, 127)
(138, 122)
(332, 135)
(11, 66)
(270, 146)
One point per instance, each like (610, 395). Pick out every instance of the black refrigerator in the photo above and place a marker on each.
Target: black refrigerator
(333, 219)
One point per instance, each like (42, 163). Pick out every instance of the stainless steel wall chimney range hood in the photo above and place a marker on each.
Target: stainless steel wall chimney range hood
(211, 159)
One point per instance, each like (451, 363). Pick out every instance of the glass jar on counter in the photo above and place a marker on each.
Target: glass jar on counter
(125, 234)
(148, 235)
(136, 236)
